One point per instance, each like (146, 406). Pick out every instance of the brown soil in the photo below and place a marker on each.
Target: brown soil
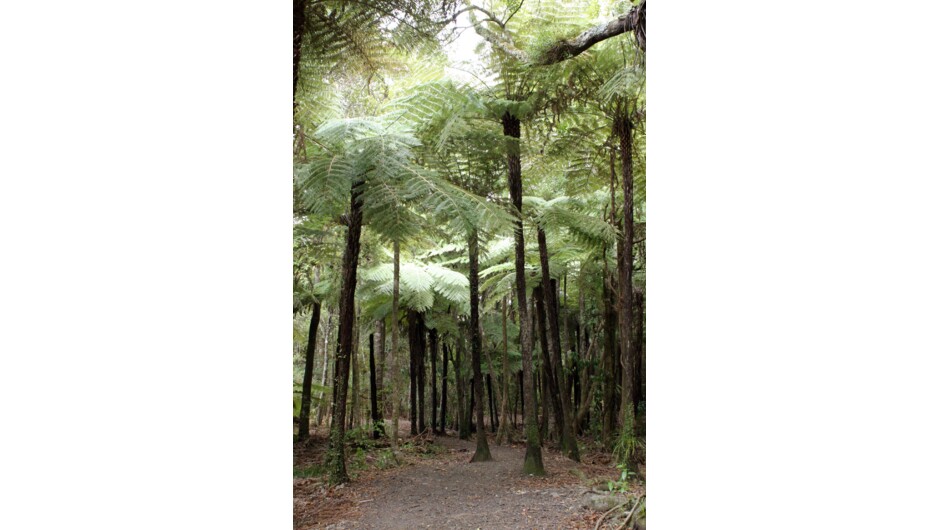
(442, 489)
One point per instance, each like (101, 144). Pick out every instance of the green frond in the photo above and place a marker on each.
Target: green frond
(415, 278)
(450, 284)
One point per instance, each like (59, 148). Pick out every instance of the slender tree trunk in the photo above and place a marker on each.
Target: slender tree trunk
(551, 377)
(566, 347)
(413, 368)
(610, 360)
(305, 397)
(432, 339)
(533, 455)
(422, 372)
(446, 354)
(393, 353)
(494, 416)
(491, 402)
(503, 434)
(354, 417)
(522, 394)
(568, 442)
(482, 453)
(543, 402)
(575, 365)
(586, 362)
(582, 413)
(380, 384)
(326, 364)
(622, 130)
(639, 373)
(377, 427)
(463, 415)
(473, 395)
(347, 321)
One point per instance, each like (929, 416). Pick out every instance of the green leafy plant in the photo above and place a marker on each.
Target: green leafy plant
(622, 484)
(629, 449)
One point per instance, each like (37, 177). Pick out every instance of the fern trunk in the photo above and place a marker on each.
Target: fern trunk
(463, 415)
(494, 418)
(416, 339)
(533, 455)
(639, 365)
(393, 369)
(609, 413)
(326, 363)
(354, 368)
(337, 449)
(622, 130)
(305, 398)
(377, 427)
(445, 353)
(503, 434)
(611, 362)
(380, 387)
(422, 372)
(412, 374)
(568, 442)
(432, 342)
(482, 453)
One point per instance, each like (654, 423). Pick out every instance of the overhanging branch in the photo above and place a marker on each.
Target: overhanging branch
(566, 49)
(635, 20)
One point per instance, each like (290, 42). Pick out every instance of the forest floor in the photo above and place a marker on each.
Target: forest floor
(434, 485)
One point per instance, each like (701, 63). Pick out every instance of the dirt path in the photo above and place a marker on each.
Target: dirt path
(447, 491)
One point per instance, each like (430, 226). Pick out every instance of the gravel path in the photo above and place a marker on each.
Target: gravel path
(447, 491)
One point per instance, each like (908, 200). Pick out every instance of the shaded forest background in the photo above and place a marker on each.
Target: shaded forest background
(469, 229)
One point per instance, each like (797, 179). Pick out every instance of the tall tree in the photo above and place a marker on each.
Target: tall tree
(568, 442)
(432, 342)
(393, 354)
(504, 427)
(377, 427)
(622, 131)
(446, 354)
(304, 427)
(533, 456)
(463, 414)
(482, 453)
(380, 387)
(337, 450)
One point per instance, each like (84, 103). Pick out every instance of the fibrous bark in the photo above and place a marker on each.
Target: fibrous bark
(393, 353)
(533, 455)
(554, 395)
(446, 354)
(482, 453)
(416, 339)
(503, 433)
(378, 428)
(354, 369)
(337, 449)
(623, 132)
(432, 339)
(326, 364)
(304, 427)
(463, 414)
(568, 442)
